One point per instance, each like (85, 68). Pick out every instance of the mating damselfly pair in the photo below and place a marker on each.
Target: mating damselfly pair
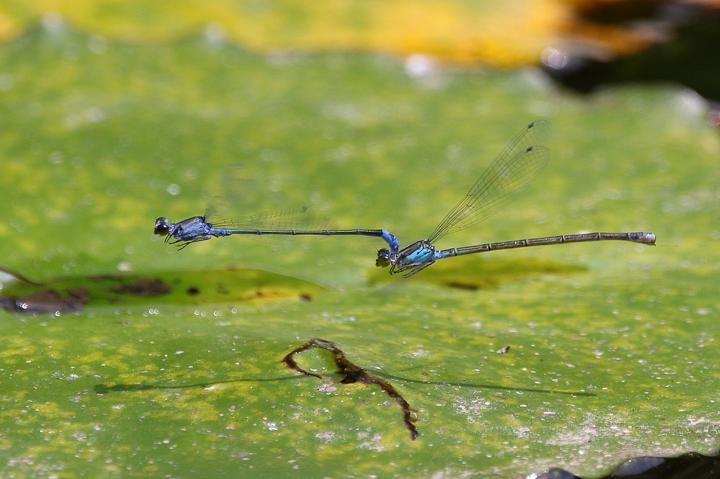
(513, 169)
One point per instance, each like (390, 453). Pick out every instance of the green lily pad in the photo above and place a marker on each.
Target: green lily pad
(612, 346)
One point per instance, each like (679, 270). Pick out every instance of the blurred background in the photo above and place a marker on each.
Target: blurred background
(582, 44)
(116, 112)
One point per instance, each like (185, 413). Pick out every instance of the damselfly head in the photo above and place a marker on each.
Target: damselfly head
(162, 226)
(383, 258)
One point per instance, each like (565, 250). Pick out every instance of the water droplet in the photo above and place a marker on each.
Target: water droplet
(272, 426)
(7, 81)
(53, 23)
(327, 388)
(56, 157)
(418, 66)
(554, 58)
(97, 45)
(214, 34)
(94, 115)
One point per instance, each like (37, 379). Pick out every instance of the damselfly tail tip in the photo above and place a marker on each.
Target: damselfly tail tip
(644, 238)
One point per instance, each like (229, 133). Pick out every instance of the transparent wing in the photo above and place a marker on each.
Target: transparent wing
(511, 171)
(290, 218)
(236, 205)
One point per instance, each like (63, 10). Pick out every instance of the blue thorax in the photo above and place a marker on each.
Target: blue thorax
(191, 228)
(420, 252)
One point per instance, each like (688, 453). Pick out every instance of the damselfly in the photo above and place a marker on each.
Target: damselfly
(521, 160)
(199, 228)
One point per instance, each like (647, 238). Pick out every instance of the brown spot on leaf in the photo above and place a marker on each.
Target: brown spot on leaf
(143, 287)
(44, 301)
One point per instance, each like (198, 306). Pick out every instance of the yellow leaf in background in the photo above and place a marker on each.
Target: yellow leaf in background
(9, 25)
(499, 33)
(495, 32)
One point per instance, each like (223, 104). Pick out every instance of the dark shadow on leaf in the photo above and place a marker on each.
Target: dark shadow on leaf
(483, 386)
(475, 273)
(105, 389)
